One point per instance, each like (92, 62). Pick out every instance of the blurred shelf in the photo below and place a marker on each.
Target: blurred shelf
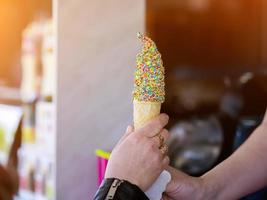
(9, 95)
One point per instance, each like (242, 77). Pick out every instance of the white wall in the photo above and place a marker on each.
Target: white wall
(97, 46)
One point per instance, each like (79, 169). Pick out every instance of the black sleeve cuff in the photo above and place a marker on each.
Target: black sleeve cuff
(125, 190)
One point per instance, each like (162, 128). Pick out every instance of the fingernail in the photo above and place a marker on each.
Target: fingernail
(129, 129)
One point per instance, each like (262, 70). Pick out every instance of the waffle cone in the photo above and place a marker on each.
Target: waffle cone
(144, 112)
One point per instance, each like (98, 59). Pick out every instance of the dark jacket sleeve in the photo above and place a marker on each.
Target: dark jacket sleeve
(124, 190)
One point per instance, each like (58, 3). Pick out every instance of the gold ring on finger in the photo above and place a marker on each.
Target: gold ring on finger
(161, 141)
(164, 149)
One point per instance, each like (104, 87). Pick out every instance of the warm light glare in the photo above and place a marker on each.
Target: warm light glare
(14, 17)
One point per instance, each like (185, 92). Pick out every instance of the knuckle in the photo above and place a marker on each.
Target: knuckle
(156, 124)
(167, 160)
(165, 163)
(165, 133)
(160, 122)
(150, 127)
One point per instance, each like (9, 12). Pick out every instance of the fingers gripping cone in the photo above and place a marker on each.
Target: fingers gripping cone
(148, 95)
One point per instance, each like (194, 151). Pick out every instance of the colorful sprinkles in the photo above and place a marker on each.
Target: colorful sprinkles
(149, 74)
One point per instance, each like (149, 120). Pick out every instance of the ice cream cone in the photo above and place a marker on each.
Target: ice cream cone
(149, 84)
(148, 95)
(144, 112)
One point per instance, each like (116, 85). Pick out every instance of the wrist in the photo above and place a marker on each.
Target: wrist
(199, 189)
(209, 190)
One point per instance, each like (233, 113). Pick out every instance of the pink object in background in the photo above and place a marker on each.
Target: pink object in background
(102, 161)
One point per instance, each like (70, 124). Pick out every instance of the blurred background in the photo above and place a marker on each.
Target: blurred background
(27, 110)
(14, 17)
(215, 55)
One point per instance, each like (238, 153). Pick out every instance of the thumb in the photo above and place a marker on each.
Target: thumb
(129, 130)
